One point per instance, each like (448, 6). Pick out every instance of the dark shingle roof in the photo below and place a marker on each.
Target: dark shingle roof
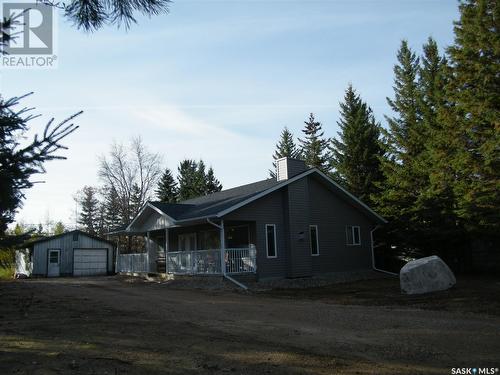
(213, 203)
(42, 239)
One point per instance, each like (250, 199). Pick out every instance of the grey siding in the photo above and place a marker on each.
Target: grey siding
(299, 253)
(332, 214)
(66, 245)
(293, 209)
(267, 210)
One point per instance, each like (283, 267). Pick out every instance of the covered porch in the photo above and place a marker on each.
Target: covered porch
(207, 247)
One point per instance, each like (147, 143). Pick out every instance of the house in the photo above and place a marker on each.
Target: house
(73, 253)
(300, 224)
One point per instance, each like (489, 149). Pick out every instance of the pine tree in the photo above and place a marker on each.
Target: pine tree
(193, 181)
(313, 147)
(113, 214)
(136, 201)
(59, 228)
(404, 146)
(89, 210)
(285, 147)
(405, 139)
(212, 184)
(167, 187)
(187, 179)
(435, 203)
(200, 179)
(356, 153)
(473, 115)
(19, 162)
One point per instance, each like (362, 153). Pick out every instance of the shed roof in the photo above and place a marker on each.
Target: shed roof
(43, 239)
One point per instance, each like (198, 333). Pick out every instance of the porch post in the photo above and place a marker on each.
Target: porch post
(222, 248)
(117, 257)
(166, 250)
(148, 250)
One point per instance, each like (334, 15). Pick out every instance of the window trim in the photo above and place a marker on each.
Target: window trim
(275, 242)
(352, 234)
(317, 240)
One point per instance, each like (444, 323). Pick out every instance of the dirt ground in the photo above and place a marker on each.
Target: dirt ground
(110, 325)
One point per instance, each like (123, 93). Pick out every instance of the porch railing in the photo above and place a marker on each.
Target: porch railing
(208, 262)
(133, 263)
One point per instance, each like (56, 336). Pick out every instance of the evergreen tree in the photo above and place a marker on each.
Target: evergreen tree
(101, 224)
(200, 178)
(113, 213)
(285, 147)
(187, 179)
(89, 210)
(193, 181)
(404, 146)
(20, 161)
(136, 201)
(213, 185)
(313, 147)
(356, 153)
(167, 187)
(472, 118)
(59, 228)
(435, 203)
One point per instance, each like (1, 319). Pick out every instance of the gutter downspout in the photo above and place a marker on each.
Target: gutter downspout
(373, 254)
(222, 248)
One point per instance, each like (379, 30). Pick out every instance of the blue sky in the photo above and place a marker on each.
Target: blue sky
(216, 80)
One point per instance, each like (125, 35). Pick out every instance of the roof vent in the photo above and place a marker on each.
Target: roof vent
(287, 168)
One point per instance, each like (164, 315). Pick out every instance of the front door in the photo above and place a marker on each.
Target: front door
(187, 242)
(54, 262)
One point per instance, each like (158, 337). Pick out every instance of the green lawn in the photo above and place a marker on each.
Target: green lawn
(6, 273)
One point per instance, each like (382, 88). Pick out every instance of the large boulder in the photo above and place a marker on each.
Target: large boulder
(426, 275)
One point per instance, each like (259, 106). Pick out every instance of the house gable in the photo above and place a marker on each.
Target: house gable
(334, 188)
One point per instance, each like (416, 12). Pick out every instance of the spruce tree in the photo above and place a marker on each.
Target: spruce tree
(89, 213)
(473, 115)
(404, 145)
(187, 179)
(435, 203)
(59, 228)
(167, 187)
(200, 186)
(113, 213)
(193, 181)
(356, 152)
(212, 184)
(285, 147)
(136, 201)
(20, 160)
(314, 147)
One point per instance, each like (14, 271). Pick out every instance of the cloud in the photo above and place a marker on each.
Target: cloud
(175, 121)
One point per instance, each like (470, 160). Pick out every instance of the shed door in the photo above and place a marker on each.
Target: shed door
(90, 262)
(53, 262)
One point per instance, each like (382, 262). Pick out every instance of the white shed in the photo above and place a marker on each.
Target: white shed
(74, 253)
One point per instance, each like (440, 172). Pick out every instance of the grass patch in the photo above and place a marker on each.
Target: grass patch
(6, 273)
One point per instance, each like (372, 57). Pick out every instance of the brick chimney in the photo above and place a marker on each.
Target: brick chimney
(287, 168)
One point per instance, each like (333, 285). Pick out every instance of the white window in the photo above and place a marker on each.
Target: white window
(313, 240)
(353, 235)
(271, 247)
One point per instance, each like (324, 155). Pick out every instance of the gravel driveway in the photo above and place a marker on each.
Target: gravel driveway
(110, 326)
